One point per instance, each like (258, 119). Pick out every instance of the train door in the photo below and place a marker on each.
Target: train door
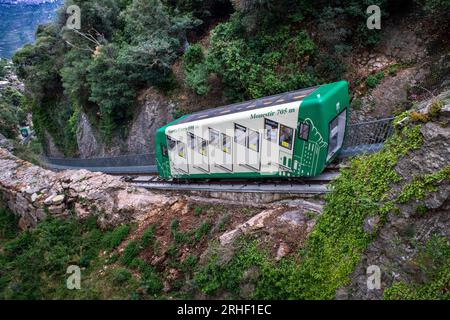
(286, 143)
(214, 147)
(246, 147)
(253, 150)
(177, 156)
(240, 141)
(269, 147)
(199, 152)
(224, 153)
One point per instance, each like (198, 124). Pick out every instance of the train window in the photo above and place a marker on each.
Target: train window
(286, 134)
(253, 140)
(181, 149)
(191, 140)
(213, 137)
(271, 130)
(171, 143)
(201, 146)
(337, 132)
(226, 143)
(303, 131)
(240, 134)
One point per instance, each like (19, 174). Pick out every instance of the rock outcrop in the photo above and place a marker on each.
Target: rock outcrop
(408, 229)
(154, 110)
(32, 193)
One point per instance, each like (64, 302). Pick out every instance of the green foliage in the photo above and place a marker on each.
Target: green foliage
(32, 258)
(420, 186)
(39, 66)
(356, 104)
(272, 61)
(193, 56)
(123, 47)
(120, 276)
(435, 6)
(150, 281)
(190, 262)
(189, 237)
(34, 263)
(374, 79)
(214, 275)
(8, 224)
(197, 79)
(12, 113)
(130, 252)
(195, 69)
(148, 236)
(435, 107)
(198, 211)
(434, 260)
(115, 237)
(3, 64)
(393, 69)
(202, 231)
(223, 222)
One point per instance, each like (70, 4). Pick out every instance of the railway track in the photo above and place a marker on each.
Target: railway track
(313, 185)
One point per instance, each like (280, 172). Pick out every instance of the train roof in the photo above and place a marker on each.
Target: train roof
(274, 100)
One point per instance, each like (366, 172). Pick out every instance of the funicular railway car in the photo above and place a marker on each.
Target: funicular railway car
(292, 134)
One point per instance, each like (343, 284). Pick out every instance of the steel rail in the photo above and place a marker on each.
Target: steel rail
(306, 185)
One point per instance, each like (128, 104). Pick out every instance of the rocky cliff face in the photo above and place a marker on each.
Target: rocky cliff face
(406, 60)
(426, 214)
(154, 110)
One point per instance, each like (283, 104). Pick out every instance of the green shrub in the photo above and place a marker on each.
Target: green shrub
(12, 113)
(3, 64)
(151, 282)
(223, 222)
(34, 263)
(434, 261)
(130, 252)
(435, 6)
(195, 69)
(115, 237)
(374, 79)
(197, 79)
(215, 276)
(8, 224)
(357, 104)
(148, 236)
(202, 231)
(190, 261)
(120, 276)
(435, 107)
(198, 211)
(269, 62)
(393, 69)
(193, 56)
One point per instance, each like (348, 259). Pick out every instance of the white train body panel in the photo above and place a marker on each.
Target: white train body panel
(241, 142)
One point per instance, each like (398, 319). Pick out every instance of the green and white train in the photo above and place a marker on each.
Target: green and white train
(293, 134)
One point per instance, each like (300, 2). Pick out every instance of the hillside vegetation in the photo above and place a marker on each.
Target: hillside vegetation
(178, 256)
(255, 48)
